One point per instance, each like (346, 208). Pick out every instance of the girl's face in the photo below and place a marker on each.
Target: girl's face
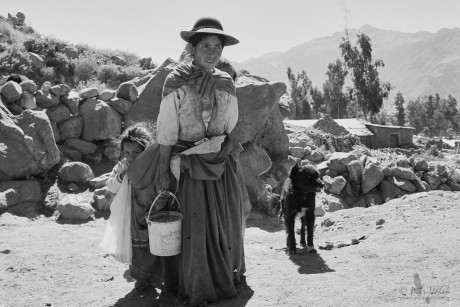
(207, 52)
(131, 151)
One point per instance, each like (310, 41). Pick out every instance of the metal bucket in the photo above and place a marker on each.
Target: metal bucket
(165, 230)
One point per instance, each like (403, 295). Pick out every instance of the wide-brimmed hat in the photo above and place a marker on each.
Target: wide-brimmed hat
(211, 26)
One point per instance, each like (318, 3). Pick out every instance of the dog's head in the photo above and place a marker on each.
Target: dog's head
(305, 179)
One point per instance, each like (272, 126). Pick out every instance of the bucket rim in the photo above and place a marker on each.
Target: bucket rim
(162, 213)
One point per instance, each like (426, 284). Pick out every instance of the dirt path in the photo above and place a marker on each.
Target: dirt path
(46, 263)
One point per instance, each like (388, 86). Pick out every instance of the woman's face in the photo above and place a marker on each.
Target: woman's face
(131, 151)
(207, 52)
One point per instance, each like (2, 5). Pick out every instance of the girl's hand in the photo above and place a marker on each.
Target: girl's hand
(123, 167)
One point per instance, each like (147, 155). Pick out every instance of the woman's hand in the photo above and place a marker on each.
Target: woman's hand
(163, 181)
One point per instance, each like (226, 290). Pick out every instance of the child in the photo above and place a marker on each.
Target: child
(117, 237)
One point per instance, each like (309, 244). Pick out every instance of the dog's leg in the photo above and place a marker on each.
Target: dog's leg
(302, 232)
(289, 222)
(310, 220)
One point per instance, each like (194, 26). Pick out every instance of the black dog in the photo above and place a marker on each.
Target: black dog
(298, 200)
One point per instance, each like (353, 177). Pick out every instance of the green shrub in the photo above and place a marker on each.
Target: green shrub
(61, 63)
(91, 83)
(13, 59)
(85, 68)
(133, 71)
(109, 74)
(47, 74)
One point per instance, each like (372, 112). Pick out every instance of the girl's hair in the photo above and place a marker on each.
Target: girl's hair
(196, 38)
(140, 133)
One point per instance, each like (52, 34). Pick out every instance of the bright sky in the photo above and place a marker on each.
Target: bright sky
(150, 28)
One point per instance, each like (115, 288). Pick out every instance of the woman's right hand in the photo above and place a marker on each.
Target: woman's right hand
(163, 181)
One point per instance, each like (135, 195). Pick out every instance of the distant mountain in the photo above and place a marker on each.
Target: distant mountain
(415, 63)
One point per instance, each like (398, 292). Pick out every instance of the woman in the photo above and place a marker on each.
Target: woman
(198, 111)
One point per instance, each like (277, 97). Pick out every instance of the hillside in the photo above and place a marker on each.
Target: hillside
(43, 58)
(415, 63)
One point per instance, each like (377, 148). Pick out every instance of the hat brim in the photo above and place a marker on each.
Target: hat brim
(230, 39)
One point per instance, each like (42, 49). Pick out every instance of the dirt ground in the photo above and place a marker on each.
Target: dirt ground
(50, 263)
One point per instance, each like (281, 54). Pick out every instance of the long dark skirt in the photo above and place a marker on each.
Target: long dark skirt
(211, 196)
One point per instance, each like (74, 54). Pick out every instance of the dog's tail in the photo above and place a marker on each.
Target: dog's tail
(274, 205)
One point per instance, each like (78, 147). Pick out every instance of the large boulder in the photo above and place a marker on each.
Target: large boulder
(11, 91)
(256, 100)
(88, 93)
(84, 147)
(28, 86)
(60, 90)
(149, 98)
(71, 128)
(16, 160)
(76, 172)
(75, 207)
(355, 171)
(255, 161)
(27, 145)
(100, 121)
(17, 191)
(121, 105)
(27, 100)
(404, 173)
(127, 91)
(402, 183)
(58, 113)
(388, 190)
(46, 99)
(372, 176)
(72, 101)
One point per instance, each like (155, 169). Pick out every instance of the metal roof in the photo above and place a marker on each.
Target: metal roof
(352, 125)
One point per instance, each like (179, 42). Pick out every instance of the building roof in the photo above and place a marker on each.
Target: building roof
(352, 125)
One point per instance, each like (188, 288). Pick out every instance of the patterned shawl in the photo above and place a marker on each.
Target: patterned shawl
(204, 81)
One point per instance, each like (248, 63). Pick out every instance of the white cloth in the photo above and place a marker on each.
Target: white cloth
(117, 236)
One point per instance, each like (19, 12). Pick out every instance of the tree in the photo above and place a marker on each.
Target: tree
(318, 103)
(399, 103)
(416, 114)
(368, 91)
(334, 98)
(300, 93)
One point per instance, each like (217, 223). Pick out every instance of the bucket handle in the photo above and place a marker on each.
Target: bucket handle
(156, 198)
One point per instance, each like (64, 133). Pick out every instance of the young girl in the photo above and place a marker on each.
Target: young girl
(117, 238)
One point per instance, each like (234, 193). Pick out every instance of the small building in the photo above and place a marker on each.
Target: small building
(371, 135)
(390, 136)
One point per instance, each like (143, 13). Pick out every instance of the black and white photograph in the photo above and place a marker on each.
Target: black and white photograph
(246, 153)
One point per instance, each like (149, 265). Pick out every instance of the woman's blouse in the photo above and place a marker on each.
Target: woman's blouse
(187, 116)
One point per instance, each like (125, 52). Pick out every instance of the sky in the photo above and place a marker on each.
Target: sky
(150, 28)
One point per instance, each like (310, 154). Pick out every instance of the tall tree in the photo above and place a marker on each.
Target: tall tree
(368, 91)
(335, 100)
(401, 114)
(300, 93)
(318, 103)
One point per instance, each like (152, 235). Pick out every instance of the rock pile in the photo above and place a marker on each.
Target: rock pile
(81, 126)
(353, 180)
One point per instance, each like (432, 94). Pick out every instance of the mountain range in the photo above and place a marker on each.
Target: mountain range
(416, 64)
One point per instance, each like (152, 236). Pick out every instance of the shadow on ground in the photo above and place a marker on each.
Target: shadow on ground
(152, 297)
(310, 263)
(266, 224)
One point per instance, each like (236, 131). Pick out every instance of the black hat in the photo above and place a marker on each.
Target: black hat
(211, 26)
